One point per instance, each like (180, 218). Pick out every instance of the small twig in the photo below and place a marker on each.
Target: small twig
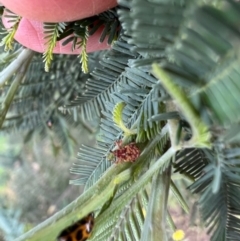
(201, 135)
(23, 57)
(88, 127)
(172, 123)
(155, 223)
(14, 87)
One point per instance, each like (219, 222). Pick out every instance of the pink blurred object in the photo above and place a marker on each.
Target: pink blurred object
(30, 34)
(58, 10)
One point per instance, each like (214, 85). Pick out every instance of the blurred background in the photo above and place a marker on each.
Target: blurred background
(34, 180)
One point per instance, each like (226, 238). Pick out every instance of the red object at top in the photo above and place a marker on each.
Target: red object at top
(58, 10)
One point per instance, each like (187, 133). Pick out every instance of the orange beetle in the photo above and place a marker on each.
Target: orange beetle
(79, 231)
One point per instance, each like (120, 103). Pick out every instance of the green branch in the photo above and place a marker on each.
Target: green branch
(21, 73)
(201, 136)
(155, 223)
(118, 204)
(23, 56)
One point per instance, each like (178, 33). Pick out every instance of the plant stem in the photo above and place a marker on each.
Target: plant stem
(201, 136)
(179, 197)
(12, 68)
(171, 222)
(121, 202)
(14, 87)
(155, 223)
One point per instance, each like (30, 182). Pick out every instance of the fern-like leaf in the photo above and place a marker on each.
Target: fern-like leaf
(220, 185)
(103, 80)
(117, 118)
(9, 38)
(83, 44)
(52, 32)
